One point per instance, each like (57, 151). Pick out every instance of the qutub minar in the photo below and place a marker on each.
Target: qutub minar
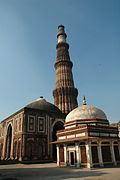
(65, 94)
(64, 132)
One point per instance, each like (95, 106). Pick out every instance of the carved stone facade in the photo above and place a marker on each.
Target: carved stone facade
(65, 94)
(26, 135)
(11, 136)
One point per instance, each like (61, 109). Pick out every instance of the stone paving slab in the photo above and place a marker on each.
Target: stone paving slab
(52, 172)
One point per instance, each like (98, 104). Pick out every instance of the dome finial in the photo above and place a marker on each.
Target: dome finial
(84, 100)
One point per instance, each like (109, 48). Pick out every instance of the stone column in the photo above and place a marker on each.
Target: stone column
(23, 146)
(4, 146)
(119, 147)
(11, 152)
(112, 153)
(4, 143)
(65, 154)
(100, 155)
(89, 155)
(77, 147)
(16, 149)
(58, 155)
(20, 157)
(23, 140)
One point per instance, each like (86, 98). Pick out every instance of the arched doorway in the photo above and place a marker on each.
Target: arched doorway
(8, 141)
(59, 125)
(40, 151)
(30, 149)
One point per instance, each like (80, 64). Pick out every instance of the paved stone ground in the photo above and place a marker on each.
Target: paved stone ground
(52, 172)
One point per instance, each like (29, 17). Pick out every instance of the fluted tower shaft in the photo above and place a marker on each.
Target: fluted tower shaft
(65, 94)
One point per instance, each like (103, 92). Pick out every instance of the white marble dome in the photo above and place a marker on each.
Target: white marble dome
(85, 112)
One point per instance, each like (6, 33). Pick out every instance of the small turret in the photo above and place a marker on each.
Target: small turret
(84, 100)
(61, 36)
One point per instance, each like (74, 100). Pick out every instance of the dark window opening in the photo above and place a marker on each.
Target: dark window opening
(72, 160)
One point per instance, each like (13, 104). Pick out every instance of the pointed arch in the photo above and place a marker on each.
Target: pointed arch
(57, 125)
(8, 142)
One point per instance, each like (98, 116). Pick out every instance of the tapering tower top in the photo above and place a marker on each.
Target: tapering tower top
(65, 94)
(61, 36)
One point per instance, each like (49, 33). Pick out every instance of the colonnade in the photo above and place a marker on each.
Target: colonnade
(88, 147)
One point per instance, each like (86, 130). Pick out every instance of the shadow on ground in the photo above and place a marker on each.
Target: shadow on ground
(49, 173)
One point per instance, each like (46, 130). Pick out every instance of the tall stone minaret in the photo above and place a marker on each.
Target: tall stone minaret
(65, 94)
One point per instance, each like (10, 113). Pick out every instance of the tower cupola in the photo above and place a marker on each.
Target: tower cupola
(61, 36)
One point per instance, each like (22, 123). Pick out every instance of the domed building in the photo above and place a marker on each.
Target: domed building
(25, 135)
(87, 139)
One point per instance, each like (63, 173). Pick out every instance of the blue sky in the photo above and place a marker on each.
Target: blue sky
(28, 31)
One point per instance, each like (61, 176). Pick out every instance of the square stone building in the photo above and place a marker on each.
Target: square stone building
(25, 135)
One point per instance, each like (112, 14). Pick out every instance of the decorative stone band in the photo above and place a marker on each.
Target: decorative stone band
(61, 44)
(87, 131)
(101, 122)
(80, 134)
(71, 136)
(62, 137)
(65, 91)
(63, 63)
(102, 134)
(84, 134)
(90, 128)
(72, 130)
